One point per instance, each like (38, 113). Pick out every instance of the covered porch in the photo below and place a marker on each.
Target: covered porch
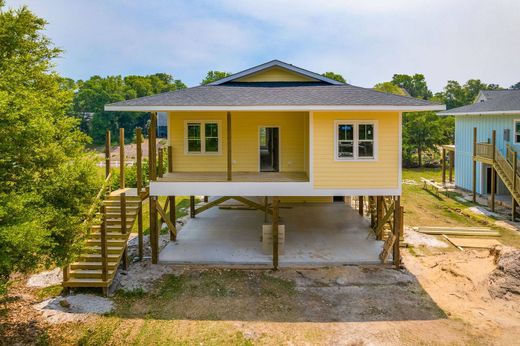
(316, 234)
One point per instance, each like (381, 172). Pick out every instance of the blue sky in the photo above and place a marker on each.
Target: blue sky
(366, 41)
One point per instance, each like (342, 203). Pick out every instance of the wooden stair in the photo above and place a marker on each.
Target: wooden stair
(506, 172)
(87, 271)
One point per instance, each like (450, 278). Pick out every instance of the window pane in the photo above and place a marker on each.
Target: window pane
(345, 132)
(366, 149)
(211, 144)
(366, 132)
(345, 150)
(194, 145)
(193, 130)
(211, 130)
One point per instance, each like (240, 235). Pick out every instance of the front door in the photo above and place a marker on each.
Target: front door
(269, 149)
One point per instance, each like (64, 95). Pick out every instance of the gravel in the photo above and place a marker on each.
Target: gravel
(420, 239)
(73, 308)
(46, 279)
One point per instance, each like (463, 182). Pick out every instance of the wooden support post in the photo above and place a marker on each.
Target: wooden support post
(379, 214)
(493, 172)
(122, 207)
(139, 158)
(107, 153)
(170, 159)
(371, 205)
(276, 202)
(360, 206)
(160, 165)
(452, 163)
(173, 216)
(229, 156)
(401, 223)
(265, 208)
(443, 160)
(206, 199)
(474, 187)
(121, 158)
(140, 232)
(513, 200)
(192, 206)
(397, 226)
(154, 227)
(152, 148)
(103, 241)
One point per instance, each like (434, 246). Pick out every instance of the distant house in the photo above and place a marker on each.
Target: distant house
(493, 110)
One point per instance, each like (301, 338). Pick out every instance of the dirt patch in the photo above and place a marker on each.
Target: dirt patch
(504, 281)
(73, 308)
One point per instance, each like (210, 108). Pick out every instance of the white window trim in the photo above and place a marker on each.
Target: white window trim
(356, 124)
(514, 130)
(202, 137)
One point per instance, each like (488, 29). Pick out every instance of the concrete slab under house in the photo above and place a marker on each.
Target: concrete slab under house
(267, 136)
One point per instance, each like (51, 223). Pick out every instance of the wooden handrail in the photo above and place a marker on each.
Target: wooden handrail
(122, 207)
(103, 240)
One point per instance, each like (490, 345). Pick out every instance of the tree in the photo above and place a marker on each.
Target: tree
(335, 76)
(213, 76)
(454, 95)
(92, 96)
(415, 85)
(421, 132)
(47, 180)
(389, 87)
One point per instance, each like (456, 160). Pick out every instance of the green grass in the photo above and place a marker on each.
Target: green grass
(424, 208)
(182, 204)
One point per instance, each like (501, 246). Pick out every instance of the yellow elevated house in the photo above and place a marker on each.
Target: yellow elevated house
(272, 134)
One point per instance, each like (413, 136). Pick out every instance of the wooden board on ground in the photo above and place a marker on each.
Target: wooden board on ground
(465, 231)
(474, 243)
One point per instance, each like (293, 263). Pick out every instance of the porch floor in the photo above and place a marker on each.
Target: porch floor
(236, 177)
(316, 235)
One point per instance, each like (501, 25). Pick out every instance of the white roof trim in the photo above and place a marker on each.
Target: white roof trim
(483, 113)
(273, 63)
(275, 108)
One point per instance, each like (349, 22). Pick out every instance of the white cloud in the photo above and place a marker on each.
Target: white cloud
(366, 41)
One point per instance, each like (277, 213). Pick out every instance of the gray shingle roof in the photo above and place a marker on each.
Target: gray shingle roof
(490, 102)
(272, 94)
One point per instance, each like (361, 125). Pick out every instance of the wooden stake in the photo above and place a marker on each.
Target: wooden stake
(107, 153)
(474, 187)
(452, 163)
(121, 158)
(152, 152)
(192, 206)
(170, 159)
(229, 157)
(154, 227)
(493, 172)
(139, 158)
(443, 166)
(160, 165)
(140, 232)
(276, 202)
(397, 225)
(173, 216)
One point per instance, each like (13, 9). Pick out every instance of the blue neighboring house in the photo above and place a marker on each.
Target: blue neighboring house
(497, 110)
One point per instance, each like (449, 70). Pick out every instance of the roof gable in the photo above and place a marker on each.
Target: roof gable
(275, 71)
(490, 102)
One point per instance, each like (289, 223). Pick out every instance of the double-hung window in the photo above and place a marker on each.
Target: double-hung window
(355, 140)
(203, 137)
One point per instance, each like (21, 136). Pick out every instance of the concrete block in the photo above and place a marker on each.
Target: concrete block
(267, 239)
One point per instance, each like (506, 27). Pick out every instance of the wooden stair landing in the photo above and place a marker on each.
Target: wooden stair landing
(87, 270)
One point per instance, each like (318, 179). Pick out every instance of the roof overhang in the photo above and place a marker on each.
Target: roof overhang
(432, 107)
(481, 113)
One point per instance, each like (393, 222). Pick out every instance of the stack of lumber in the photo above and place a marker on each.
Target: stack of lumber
(464, 237)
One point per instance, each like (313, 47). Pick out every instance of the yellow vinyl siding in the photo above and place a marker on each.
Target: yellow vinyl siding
(245, 141)
(183, 162)
(245, 133)
(380, 173)
(276, 74)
